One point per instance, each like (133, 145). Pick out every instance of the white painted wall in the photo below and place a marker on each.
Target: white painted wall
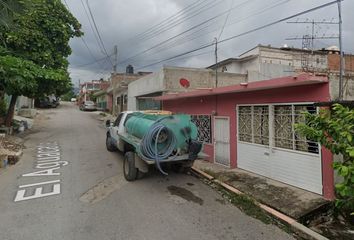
(149, 84)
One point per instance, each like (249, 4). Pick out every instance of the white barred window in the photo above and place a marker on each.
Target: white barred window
(257, 123)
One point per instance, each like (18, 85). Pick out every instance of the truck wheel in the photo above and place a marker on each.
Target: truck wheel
(129, 169)
(110, 147)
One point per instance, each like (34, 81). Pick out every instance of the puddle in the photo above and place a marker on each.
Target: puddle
(103, 189)
(185, 194)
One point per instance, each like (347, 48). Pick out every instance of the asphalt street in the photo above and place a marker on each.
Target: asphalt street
(68, 186)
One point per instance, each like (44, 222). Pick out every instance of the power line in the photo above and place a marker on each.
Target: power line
(98, 32)
(186, 31)
(171, 18)
(90, 63)
(227, 18)
(245, 33)
(92, 28)
(189, 38)
(180, 21)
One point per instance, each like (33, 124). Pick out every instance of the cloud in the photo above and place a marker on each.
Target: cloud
(119, 22)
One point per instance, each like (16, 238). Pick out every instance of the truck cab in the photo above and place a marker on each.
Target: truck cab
(114, 129)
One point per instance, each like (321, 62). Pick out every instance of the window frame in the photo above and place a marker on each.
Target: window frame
(271, 144)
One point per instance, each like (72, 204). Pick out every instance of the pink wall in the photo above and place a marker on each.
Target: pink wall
(225, 105)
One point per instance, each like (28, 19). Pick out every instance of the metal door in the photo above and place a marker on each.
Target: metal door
(222, 140)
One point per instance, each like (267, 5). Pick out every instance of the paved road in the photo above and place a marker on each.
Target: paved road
(91, 200)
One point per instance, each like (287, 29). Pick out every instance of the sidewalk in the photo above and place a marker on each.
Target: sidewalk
(291, 201)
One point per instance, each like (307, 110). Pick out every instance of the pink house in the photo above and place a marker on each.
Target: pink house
(251, 126)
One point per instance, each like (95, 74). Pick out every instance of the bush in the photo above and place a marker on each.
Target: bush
(335, 130)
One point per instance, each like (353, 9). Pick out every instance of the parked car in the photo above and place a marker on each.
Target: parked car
(88, 106)
(46, 102)
(73, 100)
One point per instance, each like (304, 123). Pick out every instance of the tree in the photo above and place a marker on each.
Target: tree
(35, 50)
(335, 130)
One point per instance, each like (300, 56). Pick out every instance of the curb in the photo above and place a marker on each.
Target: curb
(297, 227)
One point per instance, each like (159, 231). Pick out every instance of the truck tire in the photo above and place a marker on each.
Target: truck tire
(129, 169)
(109, 145)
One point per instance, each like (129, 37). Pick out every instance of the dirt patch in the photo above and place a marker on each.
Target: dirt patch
(190, 184)
(185, 194)
(222, 201)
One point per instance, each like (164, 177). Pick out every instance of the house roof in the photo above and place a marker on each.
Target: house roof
(290, 81)
(231, 60)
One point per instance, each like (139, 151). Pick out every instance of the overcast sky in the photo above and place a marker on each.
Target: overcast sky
(131, 25)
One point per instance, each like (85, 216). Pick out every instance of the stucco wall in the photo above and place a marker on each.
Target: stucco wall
(148, 84)
(225, 105)
(168, 80)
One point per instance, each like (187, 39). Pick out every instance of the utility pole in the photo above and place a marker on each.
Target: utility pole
(216, 62)
(115, 59)
(341, 61)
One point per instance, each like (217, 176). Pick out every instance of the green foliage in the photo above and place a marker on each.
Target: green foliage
(7, 10)
(33, 57)
(335, 130)
(69, 94)
(42, 33)
(23, 77)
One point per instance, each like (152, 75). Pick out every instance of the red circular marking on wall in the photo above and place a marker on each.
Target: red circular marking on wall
(184, 83)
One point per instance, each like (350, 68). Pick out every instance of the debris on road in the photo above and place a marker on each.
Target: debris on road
(10, 149)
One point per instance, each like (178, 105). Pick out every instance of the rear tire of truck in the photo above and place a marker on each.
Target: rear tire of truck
(110, 147)
(129, 169)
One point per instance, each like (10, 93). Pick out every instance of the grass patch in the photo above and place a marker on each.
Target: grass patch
(246, 205)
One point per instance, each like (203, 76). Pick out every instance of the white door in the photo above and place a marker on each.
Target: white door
(222, 140)
(268, 145)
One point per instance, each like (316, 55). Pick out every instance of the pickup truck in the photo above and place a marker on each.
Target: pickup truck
(180, 156)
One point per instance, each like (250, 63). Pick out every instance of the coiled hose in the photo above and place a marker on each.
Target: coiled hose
(149, 144)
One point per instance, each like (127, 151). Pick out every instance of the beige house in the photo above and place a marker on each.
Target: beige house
(170, 80)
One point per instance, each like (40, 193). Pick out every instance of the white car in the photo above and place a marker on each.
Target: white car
(73, 100)
(88, 106)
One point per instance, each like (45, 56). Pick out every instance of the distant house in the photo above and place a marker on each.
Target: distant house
(118, 89)
(87, 89)
(169, 80)
(266, 62)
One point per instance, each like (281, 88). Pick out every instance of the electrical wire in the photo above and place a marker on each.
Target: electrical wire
(245, 33)
(180, 21)
(168, 21)
(189, 38)
(92, 28)
(186, 31)
(98, 32)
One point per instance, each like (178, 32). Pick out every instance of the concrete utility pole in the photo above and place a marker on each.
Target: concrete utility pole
(341, 61)
(216, 62)
(115, 59)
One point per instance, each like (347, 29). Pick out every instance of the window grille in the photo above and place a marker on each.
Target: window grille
(261, 125)
(203, 123)
(245, 123)
(255, 126)
(283, 127)
(285, 136)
